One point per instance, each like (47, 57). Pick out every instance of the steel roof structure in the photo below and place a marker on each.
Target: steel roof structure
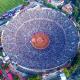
(61, 31)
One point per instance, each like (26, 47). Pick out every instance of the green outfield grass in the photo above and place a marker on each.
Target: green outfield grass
(6, 5)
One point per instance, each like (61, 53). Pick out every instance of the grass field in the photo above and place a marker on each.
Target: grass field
(6, 5)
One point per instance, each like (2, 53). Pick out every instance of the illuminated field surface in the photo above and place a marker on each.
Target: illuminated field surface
(6, 5)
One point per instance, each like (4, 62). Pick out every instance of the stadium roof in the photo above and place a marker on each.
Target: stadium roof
(61, 31)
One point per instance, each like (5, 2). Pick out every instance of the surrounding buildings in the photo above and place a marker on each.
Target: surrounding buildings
(56, 2)
(68, 8)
